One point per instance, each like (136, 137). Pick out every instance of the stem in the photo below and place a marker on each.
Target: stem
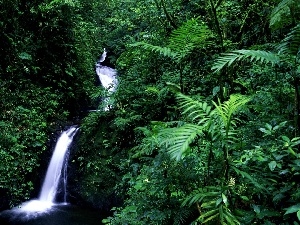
(213, 9)
(218, 3)
(210, 157)
(216, 22)
(226, 162)
(181, 79)
(297, 106)
(168, 16)
(241, 31)
(198, 207)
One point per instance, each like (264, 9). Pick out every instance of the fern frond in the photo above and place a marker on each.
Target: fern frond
(227, 109)
(241, 55)
(199, 195)
(230, 218)
(281, 13)
(198, 112)
(249, 177)
(181, 216)
(191, 34)
(177, 140)
(291, 44)
(165, 51)
(182, 40)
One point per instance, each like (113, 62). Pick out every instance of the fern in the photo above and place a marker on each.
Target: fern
(191, 34)
(227, 109)
(165, 51)
(200, 194)
(197, 112)
(280, 14)
(291, 44)
(240, 55)
(182, 40)
(177, 140)
(213, 204)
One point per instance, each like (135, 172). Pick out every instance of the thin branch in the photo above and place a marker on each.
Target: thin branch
(218, 3)
(168, 16)
(217, 24)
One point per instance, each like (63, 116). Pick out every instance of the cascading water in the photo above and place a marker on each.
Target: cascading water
(107, 77)
(49, 189)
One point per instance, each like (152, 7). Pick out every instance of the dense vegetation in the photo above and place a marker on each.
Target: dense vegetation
(204, 126)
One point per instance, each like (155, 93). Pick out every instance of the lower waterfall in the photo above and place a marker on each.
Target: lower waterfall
(53, 176)
(45, 210)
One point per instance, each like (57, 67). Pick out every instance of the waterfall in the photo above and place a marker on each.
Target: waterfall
(53, 176)
(107, 76)
(49, 188)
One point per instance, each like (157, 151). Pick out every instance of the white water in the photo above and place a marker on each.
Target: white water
(107, 77)
(49, 189)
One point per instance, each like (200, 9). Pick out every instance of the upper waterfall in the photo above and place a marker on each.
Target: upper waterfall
(107, 75)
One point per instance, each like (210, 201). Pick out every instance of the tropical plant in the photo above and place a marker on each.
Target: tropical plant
(213, 131)
(286, 57)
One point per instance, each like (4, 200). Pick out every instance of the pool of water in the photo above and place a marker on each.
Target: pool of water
(58, 215)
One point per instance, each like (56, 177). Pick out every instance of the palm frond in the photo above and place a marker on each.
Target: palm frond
(214, 205)
(291, 44)
(177, 140)
(248, 177)
(242, 55)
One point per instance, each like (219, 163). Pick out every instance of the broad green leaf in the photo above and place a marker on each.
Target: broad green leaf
(272, 165)
(268, 126)
(210, 218)
(292, 209)
(224, 199)
(245, 198)
(218, 201)
(298, 215)
(209, 213)
(256, 208)
(25, 55)
(285, 138)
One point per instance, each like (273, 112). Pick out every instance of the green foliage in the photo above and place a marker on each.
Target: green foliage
(25, 131)
(46, 75)
(290, 44)
(178, 139)
(191, 35)
(282, 14)
(208, 160)
(235, 165)
(251, 55)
